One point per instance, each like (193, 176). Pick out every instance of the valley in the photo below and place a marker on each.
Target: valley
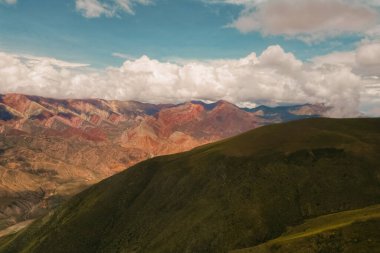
(51, 149)
(305, 186)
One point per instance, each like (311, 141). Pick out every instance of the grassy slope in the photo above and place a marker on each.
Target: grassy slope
(348, 231)
(233, 194)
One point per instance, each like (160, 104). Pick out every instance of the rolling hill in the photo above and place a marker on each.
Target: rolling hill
(349, 231)
(312, 184)
(51, 149)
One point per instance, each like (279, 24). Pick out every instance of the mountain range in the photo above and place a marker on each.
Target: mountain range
(51, 149)
(305, 186)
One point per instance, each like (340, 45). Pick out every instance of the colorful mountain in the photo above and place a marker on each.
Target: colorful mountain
(51, 149)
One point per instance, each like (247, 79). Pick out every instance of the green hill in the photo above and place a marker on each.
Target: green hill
(355, 231)
(233, 194)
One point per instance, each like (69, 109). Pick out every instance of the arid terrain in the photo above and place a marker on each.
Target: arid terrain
(51, 149)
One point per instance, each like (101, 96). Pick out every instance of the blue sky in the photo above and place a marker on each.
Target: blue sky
(165, 30)
(248, 52)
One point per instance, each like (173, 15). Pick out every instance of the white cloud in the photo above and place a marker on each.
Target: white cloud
(373, 32)
(308, 20)
(272, 77)
(369, 55)
(371, 97)
(365, 58)
(368, 61)
(33, 60)
(364, 62)
(127, 5)
(92, 8)
(8, 1)
(108, 8)
(337, 58)
(123, 56)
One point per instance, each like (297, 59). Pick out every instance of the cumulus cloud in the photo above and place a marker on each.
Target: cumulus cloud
(366, 57)
(364, 62)
(369, 54)
(336, 58)
(110, 8)
(308, 20)
(274, 77)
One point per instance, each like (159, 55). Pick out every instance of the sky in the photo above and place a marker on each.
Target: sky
(248, 52)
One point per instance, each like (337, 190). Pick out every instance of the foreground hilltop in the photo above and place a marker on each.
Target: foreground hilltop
(53, 148)
(306, 186)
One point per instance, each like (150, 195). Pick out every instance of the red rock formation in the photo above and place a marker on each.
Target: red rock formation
(51, 148)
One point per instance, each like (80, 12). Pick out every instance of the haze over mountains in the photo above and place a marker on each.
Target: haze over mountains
(306, 186)
(51, 149)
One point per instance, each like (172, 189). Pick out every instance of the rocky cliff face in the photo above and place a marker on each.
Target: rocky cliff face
(51, 148)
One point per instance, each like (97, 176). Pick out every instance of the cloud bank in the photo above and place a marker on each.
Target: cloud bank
(308, 20)
(274, 77)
